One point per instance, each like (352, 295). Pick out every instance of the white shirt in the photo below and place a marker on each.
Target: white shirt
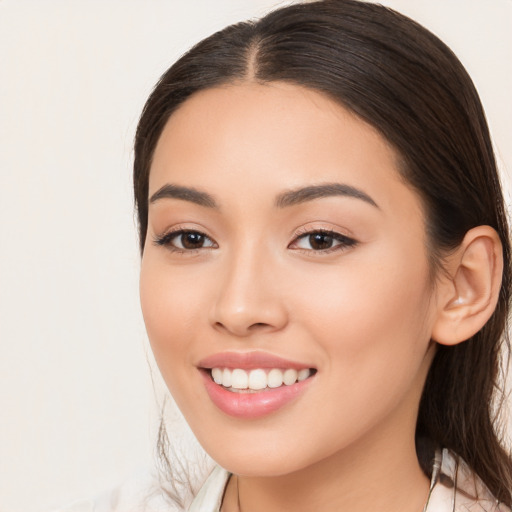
(454, 488)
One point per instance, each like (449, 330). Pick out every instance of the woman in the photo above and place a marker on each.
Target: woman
(326, 266)
(325, 274)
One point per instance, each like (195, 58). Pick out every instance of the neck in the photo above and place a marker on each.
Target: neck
(379, 472)
(358, 486)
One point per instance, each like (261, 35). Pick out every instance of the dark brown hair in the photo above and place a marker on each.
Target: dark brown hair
(403, 80)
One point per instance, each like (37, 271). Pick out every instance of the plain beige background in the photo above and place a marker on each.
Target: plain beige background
(77, 407)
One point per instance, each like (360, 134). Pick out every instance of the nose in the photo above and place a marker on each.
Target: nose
(249, 298)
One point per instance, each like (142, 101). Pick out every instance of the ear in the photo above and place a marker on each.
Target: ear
(467, 296)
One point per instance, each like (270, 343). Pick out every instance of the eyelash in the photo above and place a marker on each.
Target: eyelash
(166, 240)
(344, 242)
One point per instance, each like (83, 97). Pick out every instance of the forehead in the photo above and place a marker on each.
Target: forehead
(271, 136)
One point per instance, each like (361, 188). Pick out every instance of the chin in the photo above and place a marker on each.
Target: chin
(257, 460)
(259, 466)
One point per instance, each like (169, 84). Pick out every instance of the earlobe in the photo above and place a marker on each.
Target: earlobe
(468, 295)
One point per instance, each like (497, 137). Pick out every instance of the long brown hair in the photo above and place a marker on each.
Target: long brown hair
(404, 81)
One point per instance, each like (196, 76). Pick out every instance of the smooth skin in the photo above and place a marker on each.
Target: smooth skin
(356, 300)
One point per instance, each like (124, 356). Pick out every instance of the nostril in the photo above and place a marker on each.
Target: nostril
(243, 330)
(258, 324)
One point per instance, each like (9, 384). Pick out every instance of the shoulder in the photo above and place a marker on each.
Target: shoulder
(456, 488)
(209, 497)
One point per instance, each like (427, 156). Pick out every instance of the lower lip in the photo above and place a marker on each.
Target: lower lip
(254, 404)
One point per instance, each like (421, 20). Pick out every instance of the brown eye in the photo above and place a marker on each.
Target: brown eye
(191, 240)
(183, 240)
(320, 241)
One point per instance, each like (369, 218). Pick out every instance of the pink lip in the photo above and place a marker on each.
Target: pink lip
(252, 405)
(249, 361)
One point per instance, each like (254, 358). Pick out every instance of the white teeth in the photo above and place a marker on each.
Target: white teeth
(303, 374)
(290, 376)
(217, 375)
(239, 379)
(226, 378)
(275, 378)
(258, 379)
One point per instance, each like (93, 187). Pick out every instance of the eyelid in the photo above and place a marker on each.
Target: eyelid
(164, 240)
(345, 241)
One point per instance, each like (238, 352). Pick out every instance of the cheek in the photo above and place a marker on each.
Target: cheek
(371, 317)
(171, 307)
(372, 330)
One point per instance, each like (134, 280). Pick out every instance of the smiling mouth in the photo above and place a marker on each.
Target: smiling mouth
(256, 380)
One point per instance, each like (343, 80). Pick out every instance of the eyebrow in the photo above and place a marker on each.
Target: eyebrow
(304, 194)
(283, 200)
(185, 194)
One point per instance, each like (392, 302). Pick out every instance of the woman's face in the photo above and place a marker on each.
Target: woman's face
(282, 244)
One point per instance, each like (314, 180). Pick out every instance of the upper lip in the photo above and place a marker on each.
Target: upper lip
(249, 360)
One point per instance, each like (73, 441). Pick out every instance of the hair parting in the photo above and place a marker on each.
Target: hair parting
(401, 79)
